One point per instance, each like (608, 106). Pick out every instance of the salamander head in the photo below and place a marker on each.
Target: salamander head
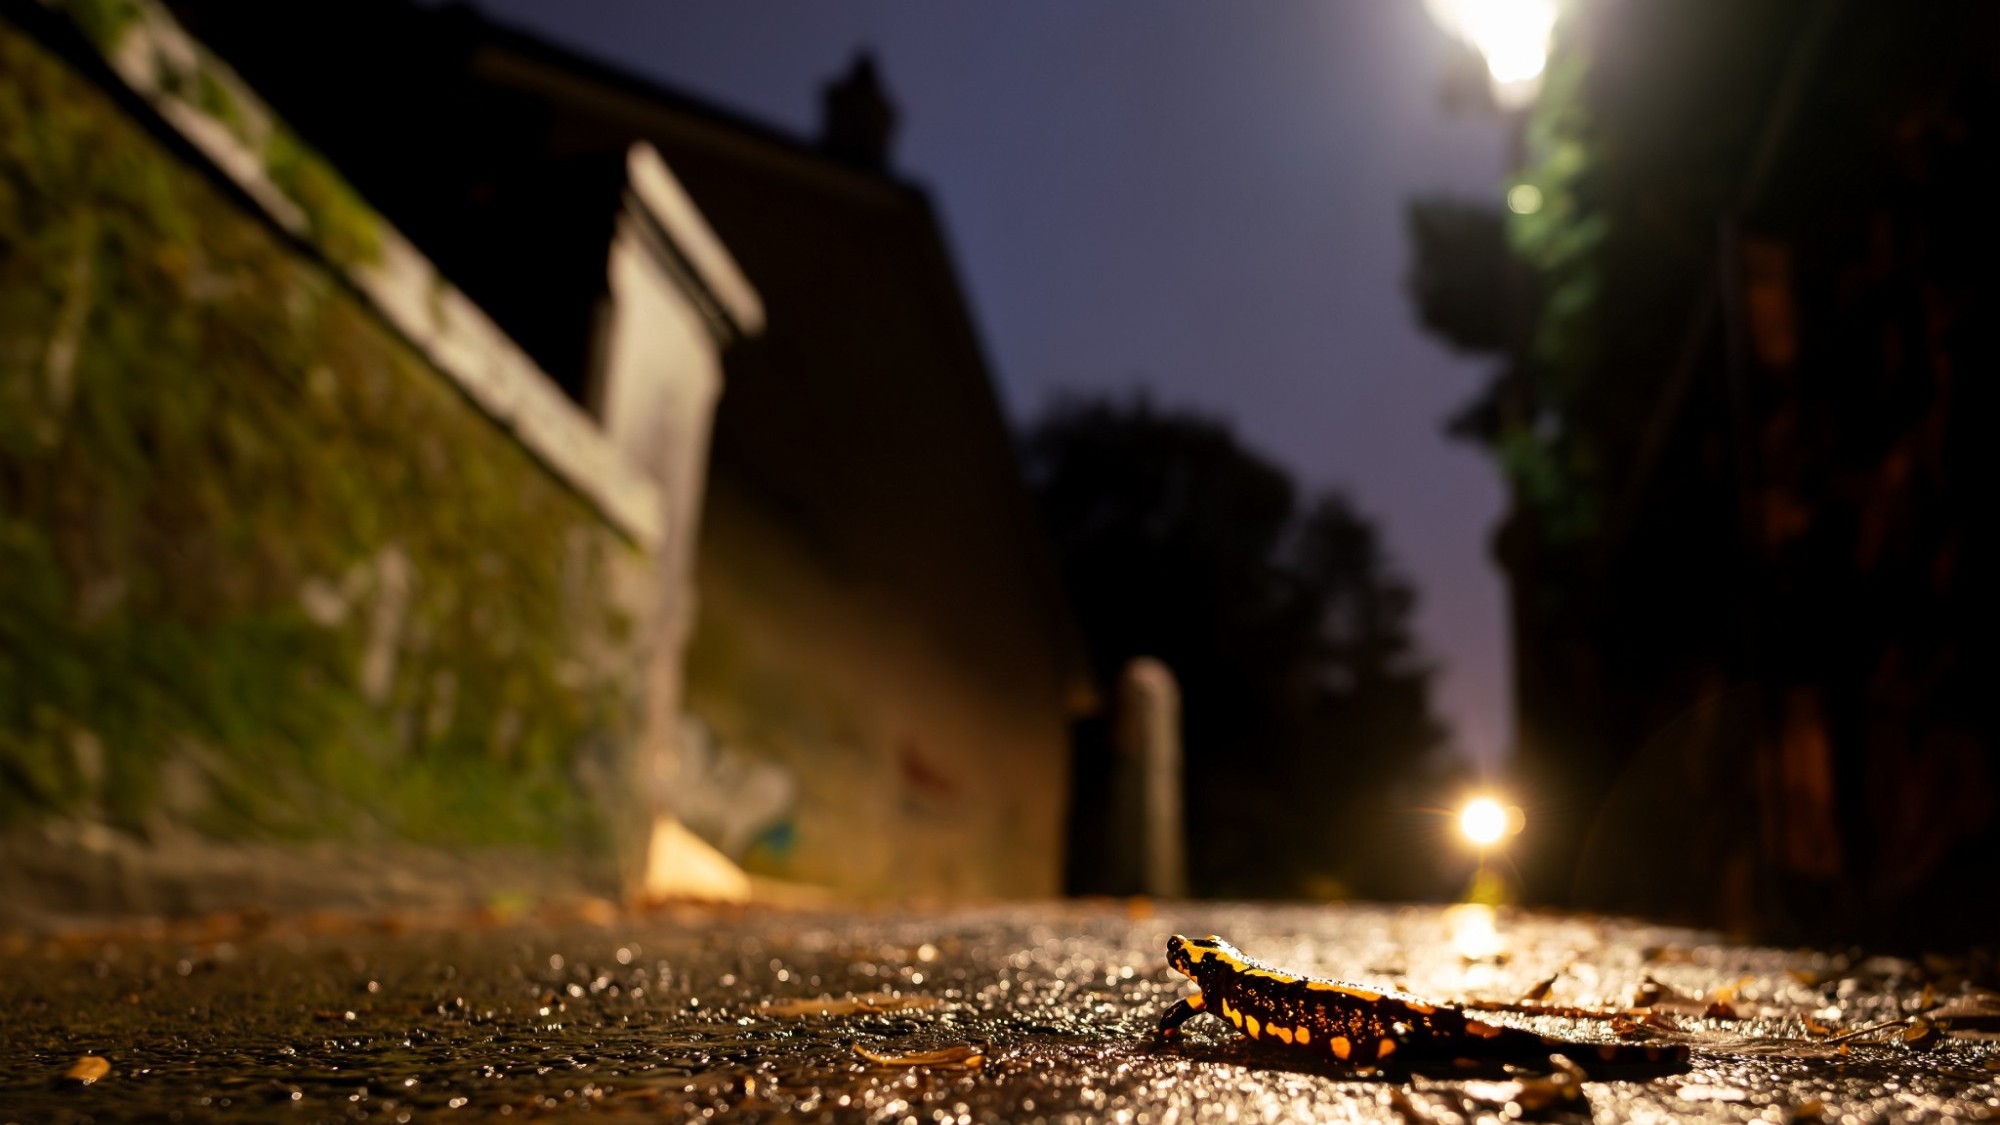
(1192, 957)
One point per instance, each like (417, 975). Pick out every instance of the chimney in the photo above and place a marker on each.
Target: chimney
(859, 119)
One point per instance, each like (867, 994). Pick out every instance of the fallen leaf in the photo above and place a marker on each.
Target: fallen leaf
(1529, 1097)
(1565, 1084)
(1871, 1032)
(1538, 990)
(1978, 1011)
(87, 1069)
(1648, 1026)
(1719, 1011)
(1921, 1035)
(965, 1057)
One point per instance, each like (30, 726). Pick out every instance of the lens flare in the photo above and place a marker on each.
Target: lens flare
(1474, 935)
(1483, 821)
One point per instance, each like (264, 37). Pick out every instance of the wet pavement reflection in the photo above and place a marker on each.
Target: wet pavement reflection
(1024, 1013)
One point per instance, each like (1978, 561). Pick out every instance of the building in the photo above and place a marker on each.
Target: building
(881, 668)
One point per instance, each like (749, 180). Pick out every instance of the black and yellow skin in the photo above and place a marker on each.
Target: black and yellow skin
(1352, 1023)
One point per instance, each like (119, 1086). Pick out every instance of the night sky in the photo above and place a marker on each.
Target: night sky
(1196, 196)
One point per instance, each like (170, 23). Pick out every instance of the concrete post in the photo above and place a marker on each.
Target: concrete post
(1149, 742)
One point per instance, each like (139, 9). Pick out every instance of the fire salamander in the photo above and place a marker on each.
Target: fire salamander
(1354, 1024)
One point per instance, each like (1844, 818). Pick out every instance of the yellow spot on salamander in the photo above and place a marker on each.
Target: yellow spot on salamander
(1341, 1047)
(1250, 1025)
(1344, 990)
(1198, 1002)
(1421, 1008)
(1385, 1048)
(1197, 954)
(1305, 1035)
(1482, 1030)
(1231, 1014)
(1284, 1034)
(1271, 974)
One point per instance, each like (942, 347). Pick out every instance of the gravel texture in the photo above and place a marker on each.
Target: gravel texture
(1019, 1013)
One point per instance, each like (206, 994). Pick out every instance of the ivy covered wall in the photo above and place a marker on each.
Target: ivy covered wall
(265, 573)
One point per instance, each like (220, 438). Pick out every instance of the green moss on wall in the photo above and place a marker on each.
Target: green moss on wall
(343, 226)
(103, 21)
(266, 572)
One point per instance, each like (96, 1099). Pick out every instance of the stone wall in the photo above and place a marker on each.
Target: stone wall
(275, 572)
(895, 772)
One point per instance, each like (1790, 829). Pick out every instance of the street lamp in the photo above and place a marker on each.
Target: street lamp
(1473, 924)
(1511, 35)
(1486, 824)
(1483, 821)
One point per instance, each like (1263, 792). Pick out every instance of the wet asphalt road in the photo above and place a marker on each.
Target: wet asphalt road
(1007, 1014)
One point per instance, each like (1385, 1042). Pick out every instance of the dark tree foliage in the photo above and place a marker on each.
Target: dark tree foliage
(1307, 725)
(1745, 419)
(1462, 271)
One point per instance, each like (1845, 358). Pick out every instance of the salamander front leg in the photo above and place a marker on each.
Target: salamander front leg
(1183, 1010)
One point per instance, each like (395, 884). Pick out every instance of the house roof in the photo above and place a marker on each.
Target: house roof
(865, 414)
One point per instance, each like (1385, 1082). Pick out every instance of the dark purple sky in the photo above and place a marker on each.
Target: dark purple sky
(1200, 196)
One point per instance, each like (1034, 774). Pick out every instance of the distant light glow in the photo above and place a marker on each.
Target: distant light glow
(1524, 199)
(1474, 936)
(1512, 35)
(1483, 821)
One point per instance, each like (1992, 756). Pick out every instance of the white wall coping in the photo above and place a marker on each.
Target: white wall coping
(660, 191)
(159, 61)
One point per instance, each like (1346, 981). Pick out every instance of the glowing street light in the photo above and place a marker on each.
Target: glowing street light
(1486, 824)
(1512, 35)
(1485, 821)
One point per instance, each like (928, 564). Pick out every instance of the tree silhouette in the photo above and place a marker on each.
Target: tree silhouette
(1741, 395)
(1306, 714)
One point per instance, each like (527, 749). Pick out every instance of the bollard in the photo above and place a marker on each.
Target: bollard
(1149, 745)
